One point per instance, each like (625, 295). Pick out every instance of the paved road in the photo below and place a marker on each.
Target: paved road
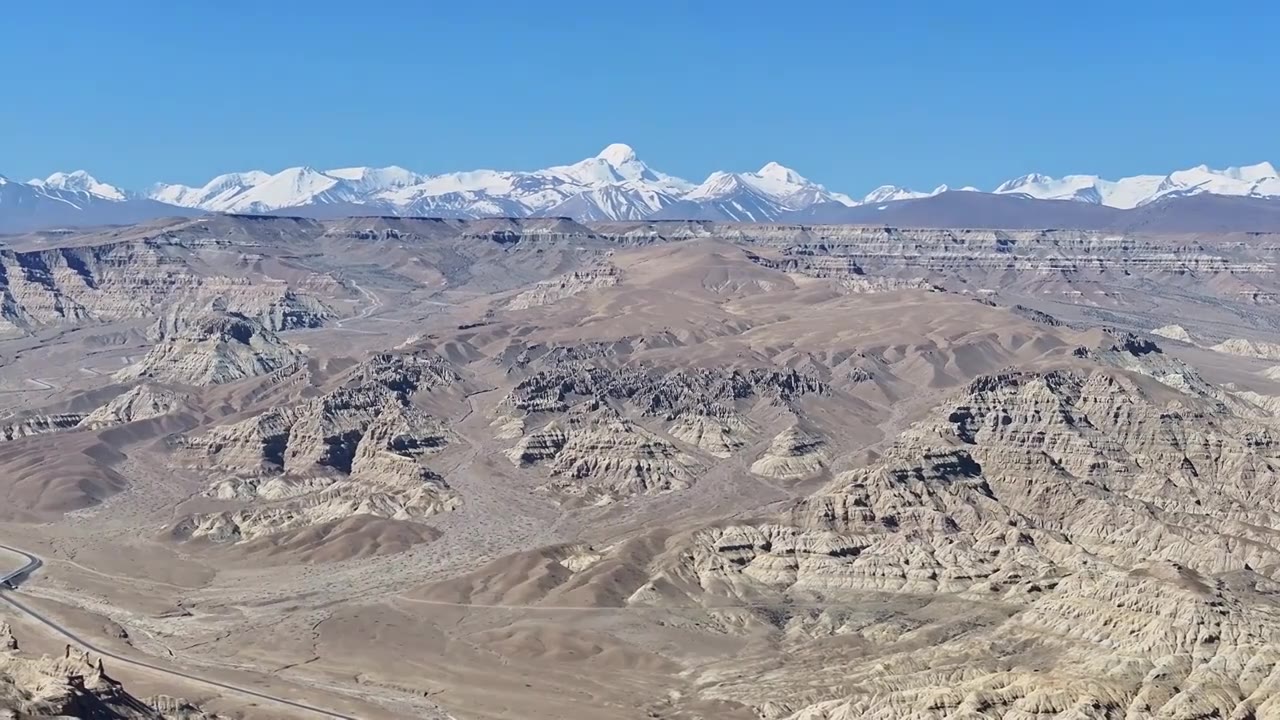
(16, 577)
(33, 563)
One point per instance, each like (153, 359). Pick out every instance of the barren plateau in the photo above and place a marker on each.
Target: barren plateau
(271, 467)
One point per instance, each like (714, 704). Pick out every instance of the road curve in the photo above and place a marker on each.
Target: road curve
(17, 576)
(33, 562)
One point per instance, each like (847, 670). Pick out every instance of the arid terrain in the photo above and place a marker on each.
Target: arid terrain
(271, 467)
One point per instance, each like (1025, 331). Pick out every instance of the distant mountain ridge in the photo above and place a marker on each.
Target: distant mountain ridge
(612, 185)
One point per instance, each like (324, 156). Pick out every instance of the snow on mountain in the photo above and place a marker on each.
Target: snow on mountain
(370, 179)
(616, 164)
(259, 192)
(619, 201)
(614, 184)
(792, 188)
(80, 181)
(889, 193)
(294, 187)
(216, 195)
(64, 202)
(1252, 180)
(726, 196)
(459, 204)
(1125, 193)
(773, 185)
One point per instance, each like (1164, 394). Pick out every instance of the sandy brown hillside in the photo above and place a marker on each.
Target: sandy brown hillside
(395, 468)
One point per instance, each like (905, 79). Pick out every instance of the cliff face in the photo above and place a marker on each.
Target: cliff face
(137, 279)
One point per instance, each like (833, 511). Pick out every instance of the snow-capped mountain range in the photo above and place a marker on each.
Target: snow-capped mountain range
(613, 185)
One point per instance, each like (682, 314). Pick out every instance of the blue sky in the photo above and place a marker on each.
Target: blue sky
(850, 94)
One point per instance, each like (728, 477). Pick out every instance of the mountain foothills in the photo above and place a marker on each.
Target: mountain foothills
(613, 185)
(534, 468)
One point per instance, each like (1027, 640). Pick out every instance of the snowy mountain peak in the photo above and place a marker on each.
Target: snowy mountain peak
(1023, 181)
(617, 154)
(889, 193)
(80, 181)
(373, 179)
(781, 173)
(613, 184)
(718, 184)
(1252, 173)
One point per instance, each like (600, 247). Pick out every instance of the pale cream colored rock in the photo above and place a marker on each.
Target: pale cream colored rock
(794, 453)
(1174, 332)
(718, 433)
(142, 402)
(138, 279)
(215, 350)
(556, 289)
(1249, 348)
(596, 456)
(74, 685)
(358, 450)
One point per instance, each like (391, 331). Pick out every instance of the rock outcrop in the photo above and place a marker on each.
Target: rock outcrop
(214, 350)
(142, 402)
(795, 453)
(39, 425)
(1174, 332)
(596, 456)
(550, 291)
(357, 450)
(74, 686)
(1126, 521)
(574, 420)
(136, 279)
(1249, 348)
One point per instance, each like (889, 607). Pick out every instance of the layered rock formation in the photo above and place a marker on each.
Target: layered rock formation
(1125, 522)
(549, 291)
(213, 350)
(142, 402)
(137, 279)
(594, 450)
(39, 425)
(357, 450)
(596, 456)
(793, 454)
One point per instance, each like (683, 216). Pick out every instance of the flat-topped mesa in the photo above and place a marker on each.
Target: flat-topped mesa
(510, 231)
(134, 279)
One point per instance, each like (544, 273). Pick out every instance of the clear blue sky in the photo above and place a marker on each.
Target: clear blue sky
(851, 94)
